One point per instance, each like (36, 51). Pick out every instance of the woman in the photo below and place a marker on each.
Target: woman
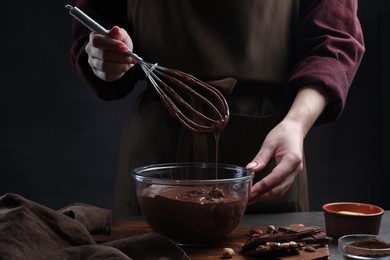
(283, 66)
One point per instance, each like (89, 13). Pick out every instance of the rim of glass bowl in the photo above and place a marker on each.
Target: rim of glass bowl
(141, 174)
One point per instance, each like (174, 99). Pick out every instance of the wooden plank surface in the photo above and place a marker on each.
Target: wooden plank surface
(123, 229)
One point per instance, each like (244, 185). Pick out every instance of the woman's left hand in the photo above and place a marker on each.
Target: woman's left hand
(285, 144)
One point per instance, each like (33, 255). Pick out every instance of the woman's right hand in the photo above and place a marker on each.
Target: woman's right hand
(107, 56)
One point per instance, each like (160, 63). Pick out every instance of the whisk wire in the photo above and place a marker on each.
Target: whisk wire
(167, 95)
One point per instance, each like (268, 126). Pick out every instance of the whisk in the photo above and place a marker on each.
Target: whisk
(176, 89)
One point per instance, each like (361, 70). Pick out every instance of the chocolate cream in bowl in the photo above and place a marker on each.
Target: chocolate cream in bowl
(192, 215)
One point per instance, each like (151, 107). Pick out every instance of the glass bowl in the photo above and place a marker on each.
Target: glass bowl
(364, 246)
(193, 203)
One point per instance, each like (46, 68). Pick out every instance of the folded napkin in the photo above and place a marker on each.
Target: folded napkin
(93, 218)
(29, 230)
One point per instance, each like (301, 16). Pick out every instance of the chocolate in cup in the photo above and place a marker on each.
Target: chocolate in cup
(364, 246)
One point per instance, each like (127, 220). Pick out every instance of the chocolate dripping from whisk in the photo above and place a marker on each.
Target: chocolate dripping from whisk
(187, 83)
(216, 125)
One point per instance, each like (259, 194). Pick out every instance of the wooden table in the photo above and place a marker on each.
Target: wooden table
(134, 226)
(123, 229)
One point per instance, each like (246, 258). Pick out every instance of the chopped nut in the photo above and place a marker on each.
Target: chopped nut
(271, 229)
(227, 252)
(256, 231)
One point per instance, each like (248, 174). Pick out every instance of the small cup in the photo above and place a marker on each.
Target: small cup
(344, 218)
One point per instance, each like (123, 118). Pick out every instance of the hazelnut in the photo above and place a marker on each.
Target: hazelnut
(227, 252)
(271, 229)
(256, 231)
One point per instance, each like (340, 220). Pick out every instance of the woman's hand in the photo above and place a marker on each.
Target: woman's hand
(285, 144)
(107, 56)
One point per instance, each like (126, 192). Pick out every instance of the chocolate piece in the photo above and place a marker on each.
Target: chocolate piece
(258, 239)
(216, 193)
(276, 247)
(300, 229)
(320, 238)
(285, 240)
(308, 234)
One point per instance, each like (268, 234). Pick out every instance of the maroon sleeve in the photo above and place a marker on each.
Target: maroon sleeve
(329, 48)
(107, 14)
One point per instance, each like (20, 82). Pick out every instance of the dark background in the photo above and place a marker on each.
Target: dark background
(59, 143)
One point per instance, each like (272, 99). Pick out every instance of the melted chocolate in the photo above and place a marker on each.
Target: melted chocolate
(192, 216)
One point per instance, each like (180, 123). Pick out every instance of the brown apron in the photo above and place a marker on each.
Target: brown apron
(153, 136)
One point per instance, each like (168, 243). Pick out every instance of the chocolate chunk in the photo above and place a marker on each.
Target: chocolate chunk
(216, 193)
(276, 248)
(258, 239)
(300, 229)
(285, 239)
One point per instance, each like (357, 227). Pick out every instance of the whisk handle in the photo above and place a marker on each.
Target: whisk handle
(94, 26)
(86, 20)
